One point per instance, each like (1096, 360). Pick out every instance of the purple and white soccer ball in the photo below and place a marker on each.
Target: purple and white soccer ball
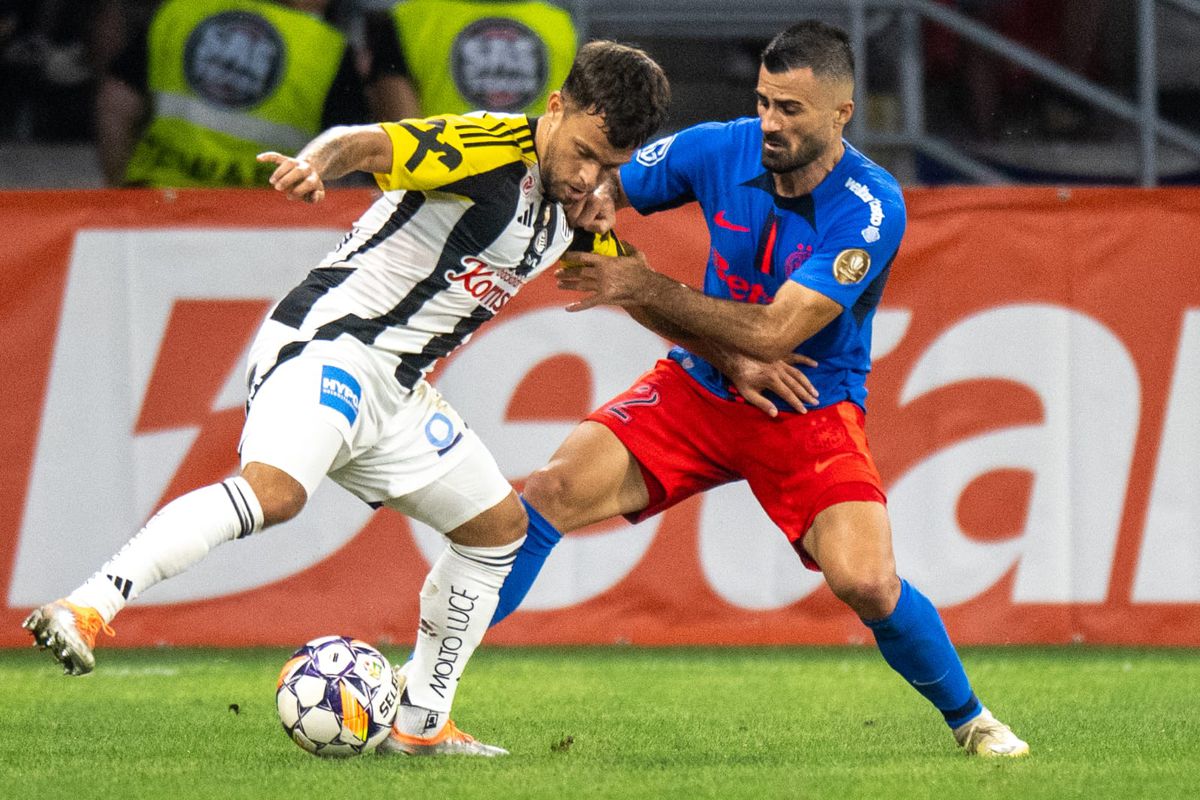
(337, 697)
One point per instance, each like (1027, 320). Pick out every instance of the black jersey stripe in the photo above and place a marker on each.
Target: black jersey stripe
(499, 129)
(472, 122)
(499, 143)
(495, 194)
(286, 353)
(506, 133)
(413, 365)
(292, 310)
(405, 210)
(300, 300)
(473, 134)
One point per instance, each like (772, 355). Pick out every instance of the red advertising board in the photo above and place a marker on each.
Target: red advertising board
(1034, 411)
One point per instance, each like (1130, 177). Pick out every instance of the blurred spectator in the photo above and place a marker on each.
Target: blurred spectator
(47, 75)
(209, 84)
(1178, 75)
(994, 97)
(452, 56)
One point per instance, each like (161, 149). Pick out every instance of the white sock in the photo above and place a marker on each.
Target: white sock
(457, 603)
(178, 536)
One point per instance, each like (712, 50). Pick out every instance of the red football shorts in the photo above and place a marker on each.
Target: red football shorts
(688, 440)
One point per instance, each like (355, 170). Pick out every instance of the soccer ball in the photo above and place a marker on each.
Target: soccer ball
(337, 697)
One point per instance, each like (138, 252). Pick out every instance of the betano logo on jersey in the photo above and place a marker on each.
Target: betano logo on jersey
(740, 288)
(491, 286)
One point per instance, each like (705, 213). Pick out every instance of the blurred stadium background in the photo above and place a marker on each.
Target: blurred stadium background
(951, 91)
(1034, 408)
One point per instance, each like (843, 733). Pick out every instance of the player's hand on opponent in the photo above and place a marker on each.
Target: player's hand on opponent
(607, 280)
(595, 213)
(753, 378)
(297, 178)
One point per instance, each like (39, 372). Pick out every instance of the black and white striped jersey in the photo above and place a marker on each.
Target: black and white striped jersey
(461, 226)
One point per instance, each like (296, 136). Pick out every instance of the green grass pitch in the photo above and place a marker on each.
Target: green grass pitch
(616, 723)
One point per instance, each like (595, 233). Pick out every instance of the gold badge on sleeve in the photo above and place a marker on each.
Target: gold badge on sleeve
(851, 265)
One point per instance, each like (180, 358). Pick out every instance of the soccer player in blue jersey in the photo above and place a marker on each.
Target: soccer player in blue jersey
(804, 230)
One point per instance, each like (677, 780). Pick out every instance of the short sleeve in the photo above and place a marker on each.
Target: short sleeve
(861, 244)
(431, 153)
(663, 174)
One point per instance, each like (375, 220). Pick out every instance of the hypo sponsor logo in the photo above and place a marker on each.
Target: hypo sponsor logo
(340, 391)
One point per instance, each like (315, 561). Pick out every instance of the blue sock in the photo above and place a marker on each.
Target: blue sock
(540, 539)
(914, 642)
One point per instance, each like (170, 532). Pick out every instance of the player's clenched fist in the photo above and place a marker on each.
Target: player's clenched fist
(295, 177)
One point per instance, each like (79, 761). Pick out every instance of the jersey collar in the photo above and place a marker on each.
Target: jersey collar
(802, 205)
(533, 123)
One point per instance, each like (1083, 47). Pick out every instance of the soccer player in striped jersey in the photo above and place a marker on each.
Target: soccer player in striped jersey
(474, 206)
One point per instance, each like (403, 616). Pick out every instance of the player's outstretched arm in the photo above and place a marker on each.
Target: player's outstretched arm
(336, 152)
(765, 332)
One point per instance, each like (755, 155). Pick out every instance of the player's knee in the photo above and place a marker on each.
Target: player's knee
(281, 496)
(501, 524)
(552, 492)
(872, 595)
(282, 504)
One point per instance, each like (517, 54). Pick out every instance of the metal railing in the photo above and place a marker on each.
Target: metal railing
(701, 19)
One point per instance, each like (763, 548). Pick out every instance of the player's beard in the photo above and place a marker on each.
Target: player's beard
(554, 186)
(806, 151)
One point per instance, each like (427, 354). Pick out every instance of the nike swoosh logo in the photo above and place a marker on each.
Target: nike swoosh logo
(724, 223)
(824, 463)
(932, 682)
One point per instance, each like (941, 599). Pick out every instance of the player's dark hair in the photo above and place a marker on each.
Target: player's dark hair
(622, 84)
(812, 44)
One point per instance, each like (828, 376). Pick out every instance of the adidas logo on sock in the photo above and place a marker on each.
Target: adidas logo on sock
(124, 585)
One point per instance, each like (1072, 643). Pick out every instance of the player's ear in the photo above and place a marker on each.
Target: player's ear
(555, 104)
(844, 112)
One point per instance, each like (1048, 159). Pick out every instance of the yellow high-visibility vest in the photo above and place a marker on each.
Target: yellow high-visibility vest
(229, 79)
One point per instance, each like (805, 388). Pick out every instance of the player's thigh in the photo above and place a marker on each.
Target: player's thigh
(590, 478)
(852, 537)
(852, 541)
(471, 502)
(297, 428)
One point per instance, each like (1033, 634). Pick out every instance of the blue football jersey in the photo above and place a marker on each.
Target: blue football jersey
(838, 240)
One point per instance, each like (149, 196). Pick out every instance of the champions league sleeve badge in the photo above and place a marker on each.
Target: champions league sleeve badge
(851, 265)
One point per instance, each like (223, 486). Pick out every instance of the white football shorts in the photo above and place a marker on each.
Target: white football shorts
(335, 410)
